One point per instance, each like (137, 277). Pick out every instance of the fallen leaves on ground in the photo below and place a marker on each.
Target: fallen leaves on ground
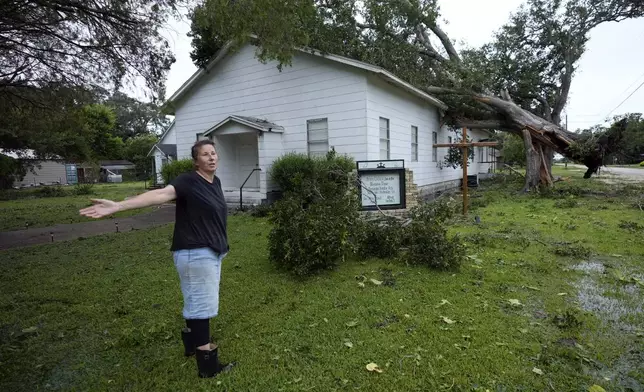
(373, 367)
(447, 320)
(515, 302)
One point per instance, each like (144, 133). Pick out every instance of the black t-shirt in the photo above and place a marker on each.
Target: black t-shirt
(201, 214)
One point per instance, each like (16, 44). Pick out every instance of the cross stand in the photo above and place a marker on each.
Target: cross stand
(464, 146)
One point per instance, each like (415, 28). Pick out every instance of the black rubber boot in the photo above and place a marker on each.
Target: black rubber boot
(189, 347)
(208, 364)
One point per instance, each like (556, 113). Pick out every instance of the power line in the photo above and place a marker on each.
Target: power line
(626, 99)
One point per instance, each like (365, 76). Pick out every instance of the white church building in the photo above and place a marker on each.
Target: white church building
(256, 113)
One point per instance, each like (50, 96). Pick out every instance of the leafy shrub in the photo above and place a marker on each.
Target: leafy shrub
(313, 222)
(51, 191)
(642, 163)
(311, 177)
(291, 171)
(431, 246)
(427, 239)
(171, 170)
(83, 189)
(379, 237)
(307, 239)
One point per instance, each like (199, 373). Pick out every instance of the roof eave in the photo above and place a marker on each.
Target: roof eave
(242, 121)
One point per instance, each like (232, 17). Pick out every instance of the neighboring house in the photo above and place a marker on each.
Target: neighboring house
(44, 171)
(164, 151)
(255, 114)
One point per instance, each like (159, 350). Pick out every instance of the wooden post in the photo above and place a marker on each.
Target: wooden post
(465, 156)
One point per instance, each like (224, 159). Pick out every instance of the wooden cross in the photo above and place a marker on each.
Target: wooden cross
(464, 146)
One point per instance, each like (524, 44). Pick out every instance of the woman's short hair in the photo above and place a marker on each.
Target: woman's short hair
(197, 146)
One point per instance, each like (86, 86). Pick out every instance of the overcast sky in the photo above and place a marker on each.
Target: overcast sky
(610, 70)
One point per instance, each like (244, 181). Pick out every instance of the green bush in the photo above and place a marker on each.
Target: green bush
(171, 170)
(311, 177)
(427, 240)
(313, 222)
(380, 237)
(642, 163)
(307, 239)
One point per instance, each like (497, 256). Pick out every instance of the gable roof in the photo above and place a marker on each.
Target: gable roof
(381, 72)
(252, 122)
(163, 135)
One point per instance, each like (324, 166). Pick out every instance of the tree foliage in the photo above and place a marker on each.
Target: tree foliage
(454, 156)
(631, 149)
(136, 151)
(313, 222)
(57, 56)
(83, 43)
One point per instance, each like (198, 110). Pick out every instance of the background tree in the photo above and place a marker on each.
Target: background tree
(137, 149)
(631, 149)
(56, 54)
(134, 118)
(518, 83)
(512, 149)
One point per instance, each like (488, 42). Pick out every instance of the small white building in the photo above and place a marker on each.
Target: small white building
(164, 151)
(40, 171)
(255, 114)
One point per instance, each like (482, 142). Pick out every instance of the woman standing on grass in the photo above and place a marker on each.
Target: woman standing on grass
(199, 245)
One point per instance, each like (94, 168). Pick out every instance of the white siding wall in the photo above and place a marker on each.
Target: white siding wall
(310, 89)
(404, 110)
(170, 137)
(46, 172)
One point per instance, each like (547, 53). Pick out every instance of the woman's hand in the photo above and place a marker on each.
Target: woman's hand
(101, 208)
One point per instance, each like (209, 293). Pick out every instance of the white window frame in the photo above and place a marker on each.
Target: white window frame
(414, 143)
(434, 148)
(309, 142)
(387, 139)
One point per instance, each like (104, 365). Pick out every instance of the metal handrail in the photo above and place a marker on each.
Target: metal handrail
(241, 206)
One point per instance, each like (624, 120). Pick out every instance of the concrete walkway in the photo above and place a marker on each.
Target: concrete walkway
(21, 238)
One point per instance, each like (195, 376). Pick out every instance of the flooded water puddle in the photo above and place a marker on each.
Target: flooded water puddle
(590, 267)
(615, 302)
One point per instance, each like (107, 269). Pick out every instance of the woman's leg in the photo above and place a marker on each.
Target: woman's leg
(200, 332)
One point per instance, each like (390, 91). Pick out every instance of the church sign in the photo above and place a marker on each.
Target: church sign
(382, 184)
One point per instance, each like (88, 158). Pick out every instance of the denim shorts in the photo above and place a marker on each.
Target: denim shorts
(199, 273)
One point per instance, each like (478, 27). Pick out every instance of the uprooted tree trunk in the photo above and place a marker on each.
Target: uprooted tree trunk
(538, 169)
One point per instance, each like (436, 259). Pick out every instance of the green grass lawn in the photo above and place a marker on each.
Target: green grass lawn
(105, 313)
(47, 211)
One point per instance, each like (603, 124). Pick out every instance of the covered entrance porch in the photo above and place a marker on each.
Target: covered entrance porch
(241, 144)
